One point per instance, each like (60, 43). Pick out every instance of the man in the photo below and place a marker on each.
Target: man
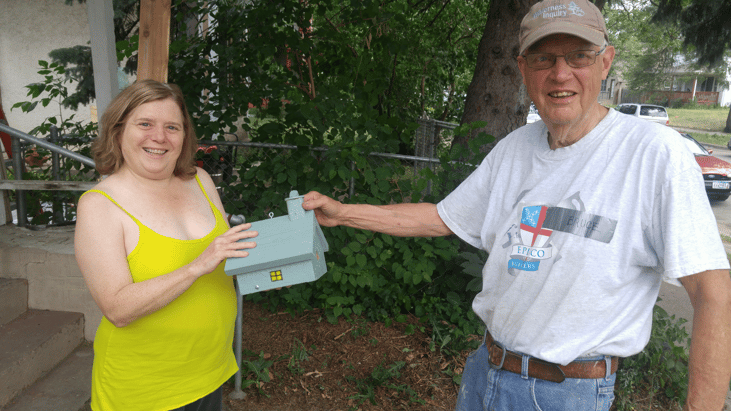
(583, 214)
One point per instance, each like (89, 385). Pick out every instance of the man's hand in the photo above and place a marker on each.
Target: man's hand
(327, 210)
(401, 220)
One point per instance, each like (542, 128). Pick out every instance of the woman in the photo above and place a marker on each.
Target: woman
(150, 241)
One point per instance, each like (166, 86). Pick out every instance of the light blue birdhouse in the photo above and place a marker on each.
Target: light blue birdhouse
(289, 250)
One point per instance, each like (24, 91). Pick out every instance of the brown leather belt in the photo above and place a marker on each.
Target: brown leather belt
(500, 358)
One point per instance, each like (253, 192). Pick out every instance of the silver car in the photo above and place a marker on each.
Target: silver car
(651, 112)
(533, 115)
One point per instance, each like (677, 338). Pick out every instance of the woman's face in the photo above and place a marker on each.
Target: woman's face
(152, 139)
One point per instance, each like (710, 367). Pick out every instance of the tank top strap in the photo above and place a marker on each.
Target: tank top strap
(204, 191)
(138, 222)
(216, 213)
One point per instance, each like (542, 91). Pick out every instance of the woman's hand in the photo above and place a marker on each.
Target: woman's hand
(226, 245)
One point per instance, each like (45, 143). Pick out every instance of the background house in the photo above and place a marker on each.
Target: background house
(611, 90)
(686, 84)
(699, 85)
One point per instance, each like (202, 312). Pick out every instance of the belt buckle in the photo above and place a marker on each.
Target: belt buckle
(502, 359)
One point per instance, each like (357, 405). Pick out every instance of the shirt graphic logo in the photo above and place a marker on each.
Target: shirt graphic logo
(530, 240)
(534, 237)
(531, 226)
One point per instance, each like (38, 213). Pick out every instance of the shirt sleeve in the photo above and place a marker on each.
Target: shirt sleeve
(464, 209)
(687, 237)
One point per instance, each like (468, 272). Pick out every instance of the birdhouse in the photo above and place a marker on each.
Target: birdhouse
(289, 250)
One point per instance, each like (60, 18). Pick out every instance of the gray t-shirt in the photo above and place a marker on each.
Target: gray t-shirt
(580, 237)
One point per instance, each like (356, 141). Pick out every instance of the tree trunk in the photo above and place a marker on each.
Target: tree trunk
(497, 94)
(728, 123)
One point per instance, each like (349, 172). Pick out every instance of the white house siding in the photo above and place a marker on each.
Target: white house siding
(724, 97)
(29, 30)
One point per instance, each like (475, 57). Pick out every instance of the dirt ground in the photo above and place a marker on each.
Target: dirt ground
(307, 363)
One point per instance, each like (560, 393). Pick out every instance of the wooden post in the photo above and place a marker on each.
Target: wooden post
(154, 40)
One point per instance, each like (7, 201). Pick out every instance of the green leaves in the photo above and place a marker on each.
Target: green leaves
(661, 369)
(654, 53)
(336, 80)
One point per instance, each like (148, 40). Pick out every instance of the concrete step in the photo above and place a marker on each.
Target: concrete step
(32, 345)
(13, 299)
(65, 388)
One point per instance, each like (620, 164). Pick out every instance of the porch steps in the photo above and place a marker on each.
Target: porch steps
(43, 363)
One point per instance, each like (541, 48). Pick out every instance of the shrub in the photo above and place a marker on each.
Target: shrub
(658, 374)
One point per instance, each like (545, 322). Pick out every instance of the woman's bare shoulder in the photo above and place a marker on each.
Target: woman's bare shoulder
(99, 203)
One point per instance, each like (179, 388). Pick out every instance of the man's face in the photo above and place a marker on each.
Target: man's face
(566, 96)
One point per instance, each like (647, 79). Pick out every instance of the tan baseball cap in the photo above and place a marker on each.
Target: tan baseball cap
(578, 18)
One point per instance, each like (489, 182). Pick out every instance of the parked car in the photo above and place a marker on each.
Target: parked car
(716, 172)
(658, 114)
(533, 115)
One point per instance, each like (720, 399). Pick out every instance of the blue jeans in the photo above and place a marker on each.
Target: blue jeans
(484, 388)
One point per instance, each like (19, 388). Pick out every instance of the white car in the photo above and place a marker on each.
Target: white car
(533, 115)
(650, 112)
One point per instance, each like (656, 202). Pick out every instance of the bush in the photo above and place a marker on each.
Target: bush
(370, 274)
(658, 374)
(677, 103)
(71, 134)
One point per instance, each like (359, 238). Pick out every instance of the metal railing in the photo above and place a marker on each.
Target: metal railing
(20, 186)
(223, 164)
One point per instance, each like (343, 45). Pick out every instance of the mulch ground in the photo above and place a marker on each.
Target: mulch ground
(304, 362)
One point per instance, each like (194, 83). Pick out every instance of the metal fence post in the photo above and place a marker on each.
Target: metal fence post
(351, 190)
(55, 170)
(238, 393)
(18, 171)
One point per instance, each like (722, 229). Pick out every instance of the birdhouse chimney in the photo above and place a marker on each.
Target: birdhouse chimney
(294, 205)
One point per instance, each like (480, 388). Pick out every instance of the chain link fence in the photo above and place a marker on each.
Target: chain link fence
(224, 160)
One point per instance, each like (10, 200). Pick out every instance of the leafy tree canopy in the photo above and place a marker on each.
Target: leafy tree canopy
(705, 25)
(651, 54)
(421, 50)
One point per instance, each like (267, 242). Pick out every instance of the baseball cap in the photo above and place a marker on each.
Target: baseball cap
(578, 18)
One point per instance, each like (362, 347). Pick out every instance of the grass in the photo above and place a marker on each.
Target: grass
(712, 119)
(720, 139)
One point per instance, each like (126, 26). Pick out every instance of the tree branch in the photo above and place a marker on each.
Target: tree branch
(355, 53)
(438, 13)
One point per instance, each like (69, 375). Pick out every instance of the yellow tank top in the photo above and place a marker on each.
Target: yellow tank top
(179, 353)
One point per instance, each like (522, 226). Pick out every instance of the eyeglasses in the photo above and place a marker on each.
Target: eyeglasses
(575, 59)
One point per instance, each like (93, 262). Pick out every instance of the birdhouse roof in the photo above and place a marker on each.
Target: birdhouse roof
(282, 240)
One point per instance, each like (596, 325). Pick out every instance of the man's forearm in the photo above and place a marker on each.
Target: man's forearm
(401, 220)
(710, 349)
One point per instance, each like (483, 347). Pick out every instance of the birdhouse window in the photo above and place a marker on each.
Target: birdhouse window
(276, 275)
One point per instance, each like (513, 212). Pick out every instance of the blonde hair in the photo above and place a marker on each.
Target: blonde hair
(107, 149)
